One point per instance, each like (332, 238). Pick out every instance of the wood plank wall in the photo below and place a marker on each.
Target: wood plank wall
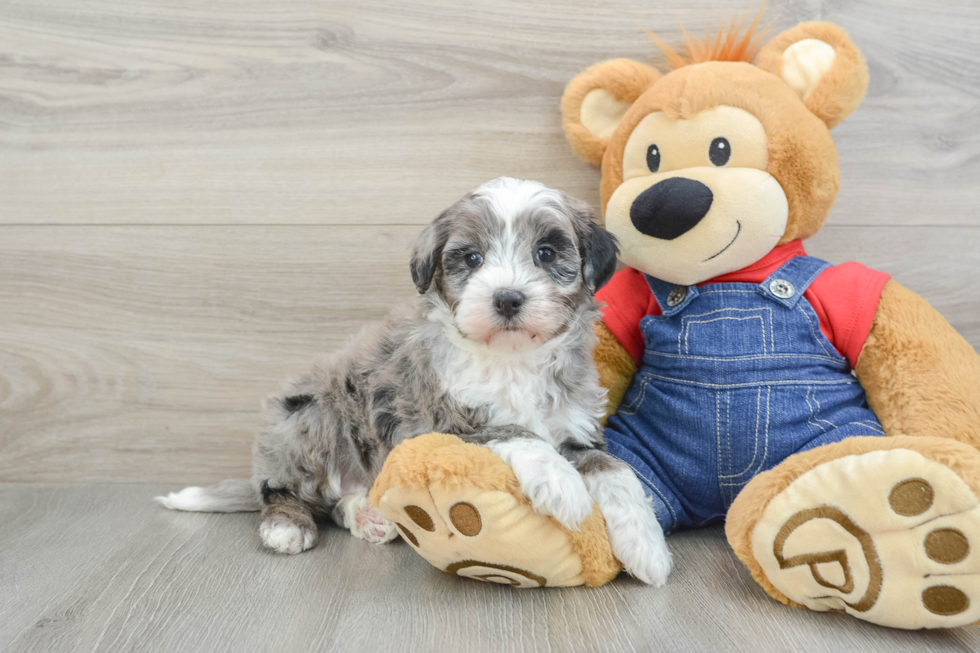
(197, 197)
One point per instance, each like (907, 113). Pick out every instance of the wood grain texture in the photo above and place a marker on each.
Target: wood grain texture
(142, 353)
(102, 568)
(242, 111)
(197, 197)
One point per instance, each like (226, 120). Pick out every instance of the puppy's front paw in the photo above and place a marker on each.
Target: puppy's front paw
(365, 521)
(282, 535)
(635, 535)
(554, 487)
(648, 560)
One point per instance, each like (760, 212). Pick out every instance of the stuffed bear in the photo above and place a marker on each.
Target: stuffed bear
(828, 415)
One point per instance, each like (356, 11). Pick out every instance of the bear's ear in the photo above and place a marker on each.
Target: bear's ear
(595, 102)
(821, 63)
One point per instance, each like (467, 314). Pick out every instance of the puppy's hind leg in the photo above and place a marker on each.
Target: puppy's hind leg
(636, 537)
(355, 513)
(287, 523)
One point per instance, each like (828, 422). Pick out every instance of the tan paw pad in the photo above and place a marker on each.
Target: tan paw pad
(887, 536)
(466, 531)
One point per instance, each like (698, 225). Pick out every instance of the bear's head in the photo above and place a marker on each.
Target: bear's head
(707, 168)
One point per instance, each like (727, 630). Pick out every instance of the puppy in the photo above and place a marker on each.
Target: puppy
(497, 349)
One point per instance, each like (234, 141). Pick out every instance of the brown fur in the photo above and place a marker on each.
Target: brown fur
(802, 156)
(842, 89)
(921, 377)
(616, 367)
(750, 504)
(445, 463)
(623, 78)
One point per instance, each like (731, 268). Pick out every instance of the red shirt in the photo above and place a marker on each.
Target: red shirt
(845, 298)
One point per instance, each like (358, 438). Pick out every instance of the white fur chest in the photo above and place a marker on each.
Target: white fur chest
(519, 389)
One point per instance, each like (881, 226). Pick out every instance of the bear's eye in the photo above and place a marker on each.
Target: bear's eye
(720, 151)
(653, 158)
(473, 260)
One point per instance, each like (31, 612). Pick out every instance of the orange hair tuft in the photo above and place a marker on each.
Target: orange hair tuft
(729, 44)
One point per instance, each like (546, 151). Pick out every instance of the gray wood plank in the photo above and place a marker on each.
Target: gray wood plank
(101, 568)
(341, 113)
(142, 353)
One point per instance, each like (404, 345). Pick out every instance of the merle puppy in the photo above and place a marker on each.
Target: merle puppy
(497, 349)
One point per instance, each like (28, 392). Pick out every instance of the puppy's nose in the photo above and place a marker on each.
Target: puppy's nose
(671, 208)
(508, 302)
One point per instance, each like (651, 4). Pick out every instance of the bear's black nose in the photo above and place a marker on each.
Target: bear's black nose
(670, 208)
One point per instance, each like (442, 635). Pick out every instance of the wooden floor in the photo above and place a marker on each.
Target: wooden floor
(196, 197)
(101, 568)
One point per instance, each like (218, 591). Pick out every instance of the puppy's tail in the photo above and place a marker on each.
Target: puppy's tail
(233, 495)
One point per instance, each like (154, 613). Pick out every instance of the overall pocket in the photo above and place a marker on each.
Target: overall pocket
(742, 421)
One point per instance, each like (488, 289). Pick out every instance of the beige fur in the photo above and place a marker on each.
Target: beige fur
(750, 504)
(442, 469)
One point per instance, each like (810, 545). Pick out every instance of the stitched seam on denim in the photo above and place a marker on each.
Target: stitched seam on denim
(632, 408)
(835, 361)
(687, 330)
(816, 337)
(819, 410)
(801, 287)
(728, 426)
(820, 270)
(755, 453)
(721, 456)
(809, 417)
(765, 451)
(689, 319)
(673, 515)
(722, 310)
(871, 425)
(746, 385)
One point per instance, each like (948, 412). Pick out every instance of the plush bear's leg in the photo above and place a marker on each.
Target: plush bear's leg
(884, 529)
(460, 507)
(550, 481)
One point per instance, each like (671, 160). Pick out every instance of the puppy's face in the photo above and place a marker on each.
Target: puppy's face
(512, 261)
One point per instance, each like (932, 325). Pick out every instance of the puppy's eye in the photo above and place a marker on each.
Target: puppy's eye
(653, 158)
(545, 254)
(473, 260)
(720, 151)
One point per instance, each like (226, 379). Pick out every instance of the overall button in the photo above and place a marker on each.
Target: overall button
(781, 288)
(676, 296)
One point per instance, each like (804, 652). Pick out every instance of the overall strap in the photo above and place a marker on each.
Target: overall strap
(672, 298)
(787, 284)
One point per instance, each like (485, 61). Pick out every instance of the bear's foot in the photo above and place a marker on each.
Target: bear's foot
(884, 529)
(460, 507)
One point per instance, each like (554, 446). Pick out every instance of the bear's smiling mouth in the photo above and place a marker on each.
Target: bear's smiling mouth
(737, 232)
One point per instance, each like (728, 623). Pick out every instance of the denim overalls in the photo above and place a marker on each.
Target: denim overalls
(735, 378)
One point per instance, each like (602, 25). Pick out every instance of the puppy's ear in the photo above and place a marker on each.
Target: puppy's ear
(427, 252)
(821, 63)
(597, 247)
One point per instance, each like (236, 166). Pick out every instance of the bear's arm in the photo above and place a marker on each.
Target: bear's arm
(616, 366)
(921, 377)
(625, 300)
